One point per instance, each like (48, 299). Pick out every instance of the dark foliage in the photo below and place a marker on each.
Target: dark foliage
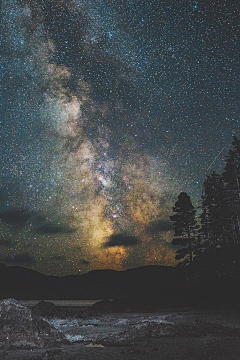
(213, 217)
(214, 272)
(231, 177)
(184, 225)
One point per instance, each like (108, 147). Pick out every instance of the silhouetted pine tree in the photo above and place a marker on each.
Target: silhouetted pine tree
(184, 225)
(231, 177)
(213, 217)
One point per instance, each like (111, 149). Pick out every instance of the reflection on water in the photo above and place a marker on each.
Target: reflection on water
(61, 302)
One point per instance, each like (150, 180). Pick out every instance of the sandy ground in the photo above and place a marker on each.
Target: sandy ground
(184, 335)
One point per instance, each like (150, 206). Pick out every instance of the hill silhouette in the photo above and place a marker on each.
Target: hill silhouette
(143, 288)
(150, 282)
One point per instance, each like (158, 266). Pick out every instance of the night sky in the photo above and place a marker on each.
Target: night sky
(108, 110)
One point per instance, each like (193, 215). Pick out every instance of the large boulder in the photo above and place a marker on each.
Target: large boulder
(44, 308)
(104, 306)
(20, 329)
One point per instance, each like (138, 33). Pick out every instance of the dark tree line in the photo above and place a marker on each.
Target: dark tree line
(216, 230)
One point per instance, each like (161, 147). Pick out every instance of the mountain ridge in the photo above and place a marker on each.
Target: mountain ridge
(22, 283)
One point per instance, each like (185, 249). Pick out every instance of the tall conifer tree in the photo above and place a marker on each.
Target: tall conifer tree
(231, 177)
(184, 225)
(213, 217)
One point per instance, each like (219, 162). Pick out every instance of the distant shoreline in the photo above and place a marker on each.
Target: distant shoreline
(86, 303)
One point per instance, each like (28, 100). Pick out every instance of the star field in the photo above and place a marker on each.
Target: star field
(108, 110)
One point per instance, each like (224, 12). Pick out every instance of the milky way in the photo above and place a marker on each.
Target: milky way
(108, 110)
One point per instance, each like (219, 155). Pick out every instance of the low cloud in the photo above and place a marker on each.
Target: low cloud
(19, 259)
(7, 243)
(84, 262)
(58, 257)
(15, 217)
(122, 240)
(159, 226)
(53, 229)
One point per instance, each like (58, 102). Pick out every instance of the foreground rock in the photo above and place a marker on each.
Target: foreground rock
(20, 329)
(149, 330)
(138, 333)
